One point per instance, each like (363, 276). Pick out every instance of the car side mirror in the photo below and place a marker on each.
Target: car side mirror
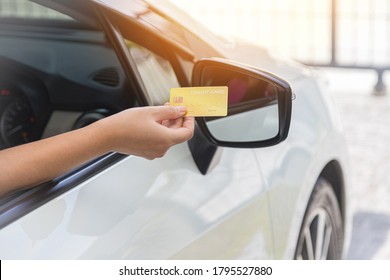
(259, 105)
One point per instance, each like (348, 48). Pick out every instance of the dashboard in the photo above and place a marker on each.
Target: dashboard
(17, 120)
(52, 81)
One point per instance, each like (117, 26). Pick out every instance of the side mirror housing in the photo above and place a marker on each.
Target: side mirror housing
(259, 105)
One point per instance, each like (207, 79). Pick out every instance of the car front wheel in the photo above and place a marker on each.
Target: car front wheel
(321, 235)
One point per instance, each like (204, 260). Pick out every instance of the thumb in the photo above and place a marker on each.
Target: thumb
(169, 112)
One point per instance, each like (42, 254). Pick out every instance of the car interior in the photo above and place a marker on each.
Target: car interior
(55, 75)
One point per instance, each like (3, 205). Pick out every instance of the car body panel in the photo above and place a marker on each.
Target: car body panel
(293, 167)
(140, 209)
(315, 139)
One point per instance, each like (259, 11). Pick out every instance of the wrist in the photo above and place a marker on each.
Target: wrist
(102, 136)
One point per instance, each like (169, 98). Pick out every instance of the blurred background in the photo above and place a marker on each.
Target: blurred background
(348, 43)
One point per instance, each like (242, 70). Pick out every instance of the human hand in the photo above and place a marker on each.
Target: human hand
(147, 131)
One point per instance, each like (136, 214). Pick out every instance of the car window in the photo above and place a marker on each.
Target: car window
(156, 72)
(24, 9)
(53, 79)
(79, 76)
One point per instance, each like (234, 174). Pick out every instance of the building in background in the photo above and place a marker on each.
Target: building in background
(328, 33)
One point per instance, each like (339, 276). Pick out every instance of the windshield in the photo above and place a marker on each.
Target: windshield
(24, 9)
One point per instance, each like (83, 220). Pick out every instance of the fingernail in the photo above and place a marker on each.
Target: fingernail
(181, 109)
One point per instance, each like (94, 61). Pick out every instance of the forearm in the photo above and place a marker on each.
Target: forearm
(34, 163)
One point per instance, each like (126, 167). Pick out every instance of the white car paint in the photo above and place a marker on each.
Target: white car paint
(249, 206)
(140, 209)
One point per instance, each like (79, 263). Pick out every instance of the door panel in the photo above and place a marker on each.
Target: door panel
(140, 209)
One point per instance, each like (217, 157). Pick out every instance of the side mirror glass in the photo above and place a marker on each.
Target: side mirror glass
(259, 105)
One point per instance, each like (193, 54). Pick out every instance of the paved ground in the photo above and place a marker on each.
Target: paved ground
(366, 119)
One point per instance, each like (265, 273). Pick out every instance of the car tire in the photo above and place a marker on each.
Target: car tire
(321, 235)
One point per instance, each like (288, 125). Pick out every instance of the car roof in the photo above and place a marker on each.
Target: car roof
(138, 11)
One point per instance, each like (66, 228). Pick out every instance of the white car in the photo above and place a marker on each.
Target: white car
(269, 181)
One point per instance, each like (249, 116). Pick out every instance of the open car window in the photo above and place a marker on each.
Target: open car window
(56, 73)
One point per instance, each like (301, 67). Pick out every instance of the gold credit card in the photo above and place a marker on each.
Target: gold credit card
(201, 101)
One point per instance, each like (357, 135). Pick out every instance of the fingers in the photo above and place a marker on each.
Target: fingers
(189, 123)
(173, 123)
(162, 113)
(176, 123)
(172, 117)
(185, 132)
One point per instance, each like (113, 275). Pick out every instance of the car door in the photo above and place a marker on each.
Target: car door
(175, 207)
